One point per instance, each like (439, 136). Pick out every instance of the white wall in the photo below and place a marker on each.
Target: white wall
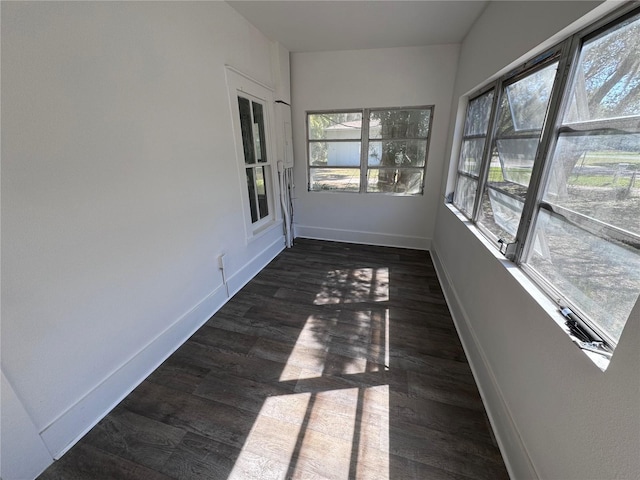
(371, 78)
(119, 190)
(556, 415)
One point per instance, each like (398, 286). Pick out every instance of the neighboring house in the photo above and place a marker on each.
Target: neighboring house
(348, 153)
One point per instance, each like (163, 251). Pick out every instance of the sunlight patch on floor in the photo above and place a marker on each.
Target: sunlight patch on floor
(308, 356)
(373, 447)
(354, 286)
(271, 443)
(350, 342)
(334, 433)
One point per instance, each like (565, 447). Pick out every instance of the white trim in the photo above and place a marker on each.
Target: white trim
(248, 77)
(23, 453)
(367, 238)
(75, 422)
(514, 451)
(239, 279)
(241, 84)
(64, 432)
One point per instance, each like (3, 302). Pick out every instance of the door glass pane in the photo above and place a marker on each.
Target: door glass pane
(261, 191)
(253, 204)
(247, 133)
(258, 133)
(334, 154)
(600, 277)
(466, 194)
(478, 113)
(607, 83)
(335, 126)
(399, 124)
(407, 181)
(398, 153)
(598, 176)
(334, 179)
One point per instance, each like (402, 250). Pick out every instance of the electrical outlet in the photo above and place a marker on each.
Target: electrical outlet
(221, 261)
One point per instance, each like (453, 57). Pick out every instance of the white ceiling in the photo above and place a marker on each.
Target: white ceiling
(312, 25)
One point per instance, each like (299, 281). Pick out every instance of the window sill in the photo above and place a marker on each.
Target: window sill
(541, 298)
(384, 194)
(263, 230)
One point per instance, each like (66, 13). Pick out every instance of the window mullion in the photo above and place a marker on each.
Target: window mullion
(559, 97)
(364, 150)
(486, 152)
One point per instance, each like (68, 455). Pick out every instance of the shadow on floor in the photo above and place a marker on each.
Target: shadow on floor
(336, 361)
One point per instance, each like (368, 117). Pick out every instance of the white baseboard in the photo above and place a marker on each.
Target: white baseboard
(72, 425)
(367, 238)
(513, 449)
(22, 451)
(239, 279)
(81, 417)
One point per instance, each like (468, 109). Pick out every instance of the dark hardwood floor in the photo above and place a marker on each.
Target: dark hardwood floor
(337, 361)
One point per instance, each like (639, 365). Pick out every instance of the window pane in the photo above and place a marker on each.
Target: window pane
(522, 113)
(341, 179)
(478, 113)
(398, 153)
(399, 124)
(598, 176)
(465, 194)
(261, 190)
(394, 180)
(335, 126)
(607, 83)
(253, 204)
(599, 277)
(258, 133)
(516, 159)
(471, 155)
(524, 103)
(245, 127)
(334, 154)
(500, 214)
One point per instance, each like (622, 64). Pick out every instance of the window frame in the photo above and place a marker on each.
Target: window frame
(363, 168)
(242, 85)
(567, 52)
(347, 140)
(480, 179)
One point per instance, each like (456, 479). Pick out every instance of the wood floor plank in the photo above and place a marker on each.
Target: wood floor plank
(85, 462)
(337, 361)
(179, 374)
(136, 438)
(200, 458)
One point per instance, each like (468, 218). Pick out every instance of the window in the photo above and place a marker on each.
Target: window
(369, 150)
(520, 116)
(250, 107)
(255, 156)
(549, 170)
(473, 145)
